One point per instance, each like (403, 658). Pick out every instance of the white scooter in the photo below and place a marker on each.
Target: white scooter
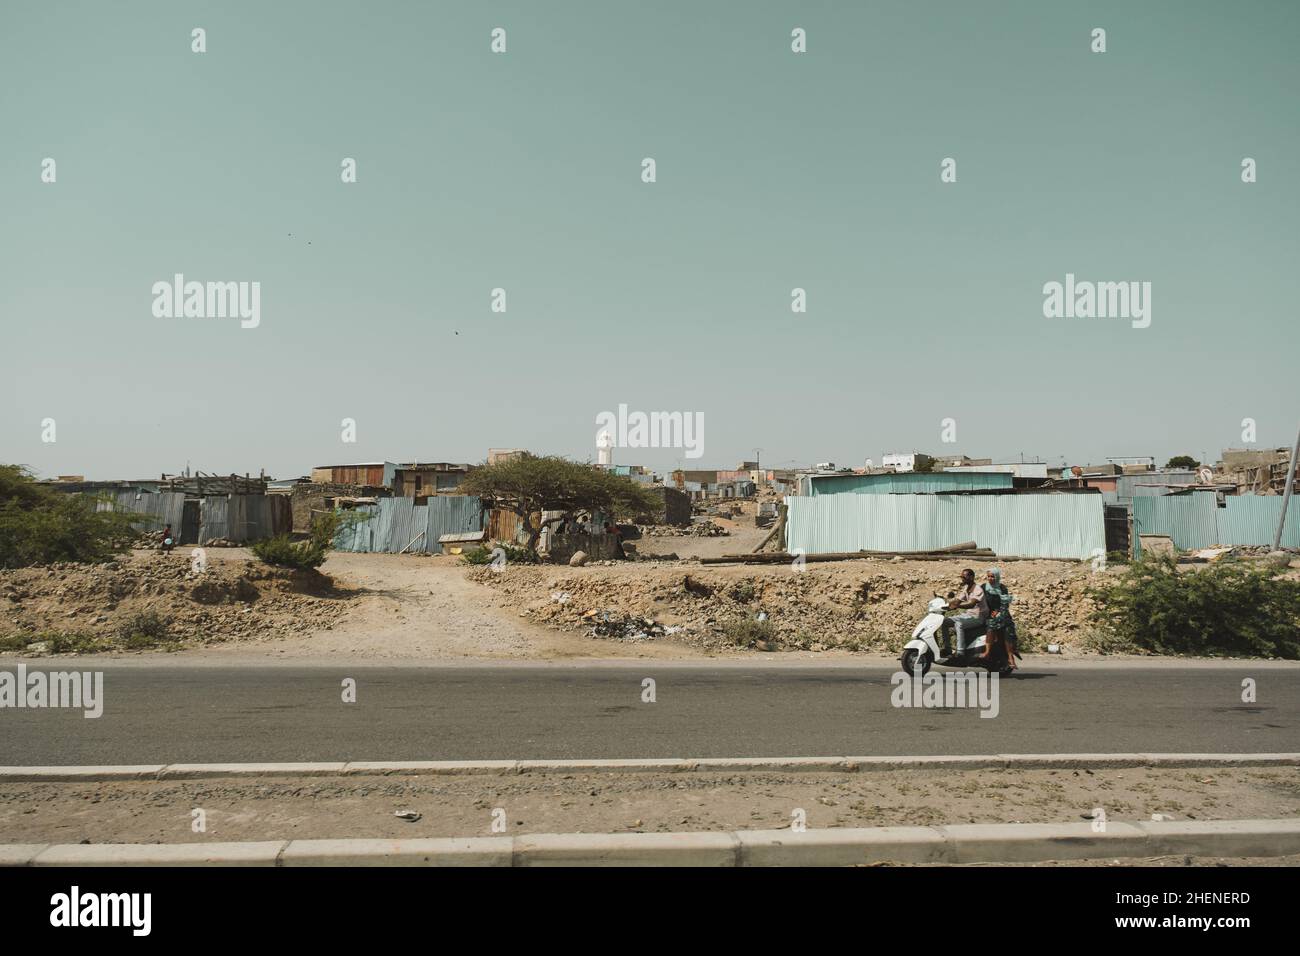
(923, 649)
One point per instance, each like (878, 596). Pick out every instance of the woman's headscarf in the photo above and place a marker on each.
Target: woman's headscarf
(997, 576)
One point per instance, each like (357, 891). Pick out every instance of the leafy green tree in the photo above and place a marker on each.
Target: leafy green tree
(1182, 461)
(39, 525)
(531, 484)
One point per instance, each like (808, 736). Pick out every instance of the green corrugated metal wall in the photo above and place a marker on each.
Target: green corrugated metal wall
(1195, 521)
(1039, 526)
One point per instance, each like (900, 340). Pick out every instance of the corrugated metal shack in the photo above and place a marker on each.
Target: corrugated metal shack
(1028, 525)
(164, 508)
(235, 518)
(377, 474)
(240, 519)
(1197, 520)
(399, 524)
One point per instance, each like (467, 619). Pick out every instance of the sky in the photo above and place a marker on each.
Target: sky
(523, 170)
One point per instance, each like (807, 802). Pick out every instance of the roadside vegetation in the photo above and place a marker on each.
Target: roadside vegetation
(41, 526)
(307, 555)
(529, 485)
(1229, 608)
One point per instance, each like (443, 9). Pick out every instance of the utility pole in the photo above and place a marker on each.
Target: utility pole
(1286, 495)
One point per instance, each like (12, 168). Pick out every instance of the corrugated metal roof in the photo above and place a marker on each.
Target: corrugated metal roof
(1041, 526)
(907, 483)
(1149, 483)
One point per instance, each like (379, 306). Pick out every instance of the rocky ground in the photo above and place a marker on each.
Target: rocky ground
(462, 805)
(865, 604)
(150, 599)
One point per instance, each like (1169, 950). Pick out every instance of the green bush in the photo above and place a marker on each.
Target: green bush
(284, 552)
(514, 555)
(1230, 607)
(39, 525)
(145, 629)
(743, 591)
(746, 631)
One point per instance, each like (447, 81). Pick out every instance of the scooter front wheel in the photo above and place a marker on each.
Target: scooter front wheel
(912, 658)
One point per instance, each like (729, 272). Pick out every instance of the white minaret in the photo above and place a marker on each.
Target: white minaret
(604, 450)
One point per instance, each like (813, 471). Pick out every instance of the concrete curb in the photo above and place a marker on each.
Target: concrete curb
(199, 771)
(970, 843)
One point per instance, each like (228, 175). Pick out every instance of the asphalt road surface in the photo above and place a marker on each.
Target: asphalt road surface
(169, 714)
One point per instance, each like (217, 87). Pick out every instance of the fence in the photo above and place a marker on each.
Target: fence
(399, 524)
(1037, 526)
(1196, 521)
(235, 518)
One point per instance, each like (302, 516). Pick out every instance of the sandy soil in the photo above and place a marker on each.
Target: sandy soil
(390, 608)
(463, 805)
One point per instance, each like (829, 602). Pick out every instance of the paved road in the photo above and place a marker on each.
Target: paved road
(288, 713)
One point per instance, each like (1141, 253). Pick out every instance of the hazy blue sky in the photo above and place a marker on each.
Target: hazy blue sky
(523, 171)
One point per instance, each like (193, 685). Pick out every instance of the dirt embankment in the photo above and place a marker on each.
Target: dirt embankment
(272, 808)
(148, 599)
(853, 605)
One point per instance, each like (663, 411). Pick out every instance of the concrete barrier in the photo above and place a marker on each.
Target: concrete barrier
(467, 851)
(182, 771)
(973, 843)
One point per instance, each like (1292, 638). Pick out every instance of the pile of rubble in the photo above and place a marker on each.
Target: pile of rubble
(852, 605)
(224, 600)
(701, 529)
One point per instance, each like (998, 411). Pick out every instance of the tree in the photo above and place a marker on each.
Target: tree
(530, 484)
(39, 525)
(1182, 461)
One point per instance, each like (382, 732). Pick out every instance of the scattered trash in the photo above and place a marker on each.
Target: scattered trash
(1160, 817)
(626, 627)
(410, 816)
(560, 597)
(1053, 648)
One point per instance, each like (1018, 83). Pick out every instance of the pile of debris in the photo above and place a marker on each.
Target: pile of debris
(707, 529)
(626, 627)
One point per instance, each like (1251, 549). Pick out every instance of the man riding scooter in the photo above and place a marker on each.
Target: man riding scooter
(968, 626)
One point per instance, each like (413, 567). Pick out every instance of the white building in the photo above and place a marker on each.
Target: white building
(905, 461)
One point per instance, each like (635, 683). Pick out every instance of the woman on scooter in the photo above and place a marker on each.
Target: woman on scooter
(1001, 628)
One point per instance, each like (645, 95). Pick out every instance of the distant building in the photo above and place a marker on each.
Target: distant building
(498, 455)
(955, 461)
(1020, 469)
(902, 462)
(420, 479)
(374, 474)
